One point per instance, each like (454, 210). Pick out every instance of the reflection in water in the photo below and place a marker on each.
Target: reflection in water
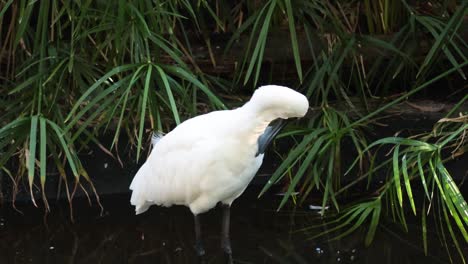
(259, 235)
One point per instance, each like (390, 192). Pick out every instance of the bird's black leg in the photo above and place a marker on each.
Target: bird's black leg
(198, 238)
(225, 240)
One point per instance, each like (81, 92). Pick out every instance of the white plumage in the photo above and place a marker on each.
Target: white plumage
(212, 158)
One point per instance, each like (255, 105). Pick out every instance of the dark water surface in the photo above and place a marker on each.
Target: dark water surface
(165, 235)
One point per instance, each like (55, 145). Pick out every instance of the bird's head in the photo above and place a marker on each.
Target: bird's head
(275, 101)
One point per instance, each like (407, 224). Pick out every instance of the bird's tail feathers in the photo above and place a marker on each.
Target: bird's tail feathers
(142, 208)
(138, 188)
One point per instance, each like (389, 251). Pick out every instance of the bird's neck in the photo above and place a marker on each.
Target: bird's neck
(256, 120)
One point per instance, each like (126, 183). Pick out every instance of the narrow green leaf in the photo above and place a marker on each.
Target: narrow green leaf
(23, 20)
(385, 45)
(26, 84)
(420, 145)
(167, 47)
(404, 169)
(277, 175)
(5, 8)
(123, 100)
(59, 133)
(32, 150)
(455, 19)
(93, 87)
(423, 177)
(54, 71)
(43, 146)
(442, 231)
(431, 24)
(174, 110)
(143, 109)
(453, 134)
(454, 193)
(396, 175)
(295, 46)
(374, 223)
(83, 126)
(452, 234)
(365, 213)
(305, 164)
(424, 228)
(141, 19)
(96, 101)
(219, 23)
(182, 73)
(5, 130)
(448, 201)
(349, 216)
(259, 48)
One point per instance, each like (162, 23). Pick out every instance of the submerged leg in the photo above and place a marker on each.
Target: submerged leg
(225, 240)
(198, 238)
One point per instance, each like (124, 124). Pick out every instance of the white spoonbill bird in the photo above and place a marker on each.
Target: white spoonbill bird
(211, 158)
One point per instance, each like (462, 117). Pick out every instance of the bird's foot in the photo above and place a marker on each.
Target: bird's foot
(200, 253)
(226, 246)
(228, 258)
(199, 249)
